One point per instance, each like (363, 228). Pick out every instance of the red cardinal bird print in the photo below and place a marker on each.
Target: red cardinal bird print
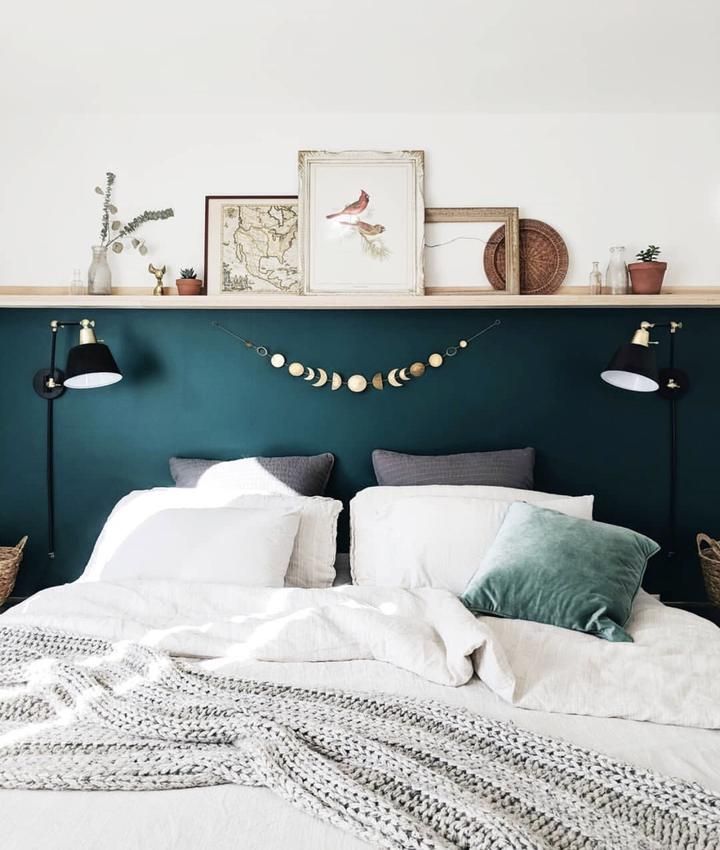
(355, 208)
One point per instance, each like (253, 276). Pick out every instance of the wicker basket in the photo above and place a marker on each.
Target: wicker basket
(10, 558)
(709, 552)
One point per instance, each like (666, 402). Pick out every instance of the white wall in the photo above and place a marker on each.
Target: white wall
(599, 179)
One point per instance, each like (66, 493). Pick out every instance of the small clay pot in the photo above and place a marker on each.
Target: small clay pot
(646, 278)
(189, 286)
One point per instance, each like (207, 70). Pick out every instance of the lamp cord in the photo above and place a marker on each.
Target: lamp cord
(50, 463)
(672, 507)
(50, 481)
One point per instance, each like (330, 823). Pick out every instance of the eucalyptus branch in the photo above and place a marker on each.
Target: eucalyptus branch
(135, 223)
(107, 196)
(122, 231)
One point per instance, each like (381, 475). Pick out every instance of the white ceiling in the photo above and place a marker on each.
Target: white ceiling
(362, 56)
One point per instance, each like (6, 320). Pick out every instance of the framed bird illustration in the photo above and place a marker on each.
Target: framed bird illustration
(361, 222)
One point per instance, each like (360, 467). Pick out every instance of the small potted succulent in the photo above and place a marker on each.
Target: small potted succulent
(646, 276)
(188, 284)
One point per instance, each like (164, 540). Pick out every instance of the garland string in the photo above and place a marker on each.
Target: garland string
(357, 383)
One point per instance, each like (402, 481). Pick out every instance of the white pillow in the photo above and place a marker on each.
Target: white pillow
(245, 546)
(312, 561)
(435, 536)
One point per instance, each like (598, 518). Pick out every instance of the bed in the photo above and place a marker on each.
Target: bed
(650, 705)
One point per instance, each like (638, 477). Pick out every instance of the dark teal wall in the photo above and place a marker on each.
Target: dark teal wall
(191, 390)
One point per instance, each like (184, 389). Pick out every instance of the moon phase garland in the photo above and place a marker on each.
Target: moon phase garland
(357, 383)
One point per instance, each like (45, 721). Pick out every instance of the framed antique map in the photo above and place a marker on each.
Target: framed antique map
(251, 244)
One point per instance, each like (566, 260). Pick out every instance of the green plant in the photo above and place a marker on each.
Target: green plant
(188, 274)
(115, 228)
(649, 255)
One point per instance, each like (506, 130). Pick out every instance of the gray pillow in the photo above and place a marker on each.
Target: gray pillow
(512, 468)
(306, 475)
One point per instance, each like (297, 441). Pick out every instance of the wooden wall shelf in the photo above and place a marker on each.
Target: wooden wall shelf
(141, 299)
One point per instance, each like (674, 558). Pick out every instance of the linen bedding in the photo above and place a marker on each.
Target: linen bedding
(419, 643)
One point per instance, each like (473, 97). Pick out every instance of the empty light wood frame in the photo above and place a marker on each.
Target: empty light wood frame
(455, 266)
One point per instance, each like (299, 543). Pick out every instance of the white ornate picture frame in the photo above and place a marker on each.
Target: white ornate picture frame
(361, 222)
(251, 245)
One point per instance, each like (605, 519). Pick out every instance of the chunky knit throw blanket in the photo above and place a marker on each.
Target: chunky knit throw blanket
(82, 713)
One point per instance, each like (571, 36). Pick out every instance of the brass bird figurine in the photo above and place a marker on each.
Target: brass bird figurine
(355, 208)
(158, 273)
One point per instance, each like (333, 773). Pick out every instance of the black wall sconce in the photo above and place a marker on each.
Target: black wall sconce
(89, 365)
(634, 367)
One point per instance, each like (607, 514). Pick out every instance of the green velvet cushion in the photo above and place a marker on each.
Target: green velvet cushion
(551, 568)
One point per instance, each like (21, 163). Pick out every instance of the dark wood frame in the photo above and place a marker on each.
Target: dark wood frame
(209, 198)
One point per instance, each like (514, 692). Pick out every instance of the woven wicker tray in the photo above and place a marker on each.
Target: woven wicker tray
(543, 258)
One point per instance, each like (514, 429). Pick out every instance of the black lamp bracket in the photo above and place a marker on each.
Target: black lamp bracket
(674, 383)
(48, 383)
(673, 327)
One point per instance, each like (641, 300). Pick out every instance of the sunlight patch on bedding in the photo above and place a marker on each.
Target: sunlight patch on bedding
(263, 635)
(225, 475)
(69, 705)
(42, 677)
(155, 637)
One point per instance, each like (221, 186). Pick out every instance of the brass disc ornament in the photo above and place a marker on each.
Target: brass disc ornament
(357, 383)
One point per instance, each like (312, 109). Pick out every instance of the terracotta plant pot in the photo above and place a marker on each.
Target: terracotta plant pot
(189, 286)
(646, 278)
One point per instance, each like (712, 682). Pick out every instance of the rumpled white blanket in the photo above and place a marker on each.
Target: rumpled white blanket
(670, 674)
(425, 631)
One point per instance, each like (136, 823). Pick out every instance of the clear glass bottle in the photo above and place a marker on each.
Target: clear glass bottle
(99, 274)
(77, 284)
(616, 275)
(595, 279)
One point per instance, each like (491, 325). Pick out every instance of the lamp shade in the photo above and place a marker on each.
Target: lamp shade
(633, 368)
(91, 365)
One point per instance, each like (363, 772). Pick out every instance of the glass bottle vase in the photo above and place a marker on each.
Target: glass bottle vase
(616, 276)
(595, 279)
(99, 274)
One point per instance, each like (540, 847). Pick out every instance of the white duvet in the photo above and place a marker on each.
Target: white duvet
(669, 675)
